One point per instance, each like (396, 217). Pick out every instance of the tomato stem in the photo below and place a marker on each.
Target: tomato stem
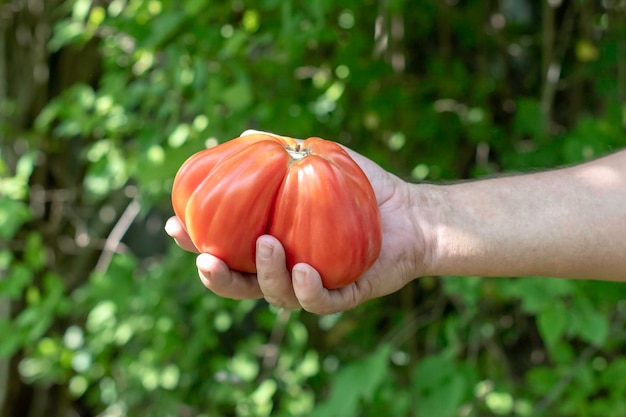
(297, 152)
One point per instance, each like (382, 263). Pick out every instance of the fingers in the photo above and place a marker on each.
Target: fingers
(257, 132)
(217, 277)
(213, 272)
(261, 132)
(314, 298)
(300, 289)
(272, 281)
(273, 277)
(175, 229)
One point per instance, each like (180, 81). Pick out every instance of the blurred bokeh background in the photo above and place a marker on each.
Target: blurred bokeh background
(102, 100)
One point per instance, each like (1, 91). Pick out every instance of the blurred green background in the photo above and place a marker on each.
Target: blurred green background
(102, 100)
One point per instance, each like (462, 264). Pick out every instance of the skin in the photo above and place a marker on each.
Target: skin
(564, 223)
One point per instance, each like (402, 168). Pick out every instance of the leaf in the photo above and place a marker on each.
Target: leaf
(541, 379)
(164, 27)
(588, 323)
(468, 289)
(593, 328)
(66, 32)
(34, 252)
(613, 377)
(537, 293)
(585, 378)
(552, 323)
(13, 214)
(529, 118)
(357, 381)
(11, 338)
(238, 96)
(13, 285)
(432, 371)
(440, 387)
(444, 400)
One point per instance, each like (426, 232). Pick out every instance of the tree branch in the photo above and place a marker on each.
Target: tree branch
(112, 242)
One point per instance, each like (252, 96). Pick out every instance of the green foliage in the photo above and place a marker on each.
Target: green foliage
(345, 396)
(95, 299)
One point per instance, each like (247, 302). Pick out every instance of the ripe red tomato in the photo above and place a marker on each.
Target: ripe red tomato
(311, 196)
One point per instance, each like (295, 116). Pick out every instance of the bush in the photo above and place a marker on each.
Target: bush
(101, 314)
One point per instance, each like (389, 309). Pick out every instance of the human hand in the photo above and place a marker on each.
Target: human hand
(403, 257)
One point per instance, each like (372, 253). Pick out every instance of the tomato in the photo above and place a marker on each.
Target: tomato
(311, 196)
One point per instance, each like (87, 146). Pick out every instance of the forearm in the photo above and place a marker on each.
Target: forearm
(568, 223)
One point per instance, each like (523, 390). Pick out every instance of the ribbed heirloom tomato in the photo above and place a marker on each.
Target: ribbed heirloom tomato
(311, 196)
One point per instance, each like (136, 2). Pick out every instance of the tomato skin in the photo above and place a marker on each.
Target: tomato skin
(197, 166)
(312, 197)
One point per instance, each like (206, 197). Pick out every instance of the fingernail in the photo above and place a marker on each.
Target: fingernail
(203, 261)
(169, 226)
(265, 250)
(299, 275)
(249, 132)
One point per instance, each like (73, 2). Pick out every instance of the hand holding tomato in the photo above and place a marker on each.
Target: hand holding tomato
(396, 264)
(302, 193)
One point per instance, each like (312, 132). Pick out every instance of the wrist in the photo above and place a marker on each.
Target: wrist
(424, 204)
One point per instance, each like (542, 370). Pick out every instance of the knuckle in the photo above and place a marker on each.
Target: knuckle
(282, 303)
